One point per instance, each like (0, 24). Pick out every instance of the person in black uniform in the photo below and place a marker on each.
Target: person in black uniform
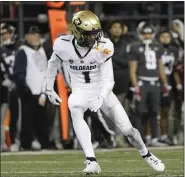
(169, 59)
(8, 97)
(146, 68)
(120, 68)
(120, 62)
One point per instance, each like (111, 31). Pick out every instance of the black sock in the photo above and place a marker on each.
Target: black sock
(147, 155)
(91, 158)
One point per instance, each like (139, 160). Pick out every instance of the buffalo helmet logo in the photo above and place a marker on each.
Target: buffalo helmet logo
(77, 21)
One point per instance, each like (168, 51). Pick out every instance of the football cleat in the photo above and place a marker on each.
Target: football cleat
(92, 167)
(155, 163)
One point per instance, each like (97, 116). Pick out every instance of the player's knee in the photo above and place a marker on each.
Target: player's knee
(110, 102)
(126, 130)
(131, 132)
(76, 113)
(73, 104)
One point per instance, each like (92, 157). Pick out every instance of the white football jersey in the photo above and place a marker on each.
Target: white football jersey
(82, 64)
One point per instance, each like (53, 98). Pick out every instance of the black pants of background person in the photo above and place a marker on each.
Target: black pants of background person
(34, 122)
(100, 132)
(15, 108)
(148, 107)
(178, 98)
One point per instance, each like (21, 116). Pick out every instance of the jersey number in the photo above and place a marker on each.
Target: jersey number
(86, 77)
(10, 63)
(151, 62)
(168, 62)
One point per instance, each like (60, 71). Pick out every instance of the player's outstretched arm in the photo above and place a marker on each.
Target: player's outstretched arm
(53, 64)
(107, 77)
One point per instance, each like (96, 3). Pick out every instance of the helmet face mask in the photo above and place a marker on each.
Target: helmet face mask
(7, 34)
(86, 28)
(146, 33)
(88, 38)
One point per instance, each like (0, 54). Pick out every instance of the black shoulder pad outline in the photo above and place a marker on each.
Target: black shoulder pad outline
(107, 59)
(58, 57)
(102, 42)
(65, 40)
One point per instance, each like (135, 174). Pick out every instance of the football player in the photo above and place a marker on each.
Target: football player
(146, 68)
(87, 57)
(8, 95)
(169, 59)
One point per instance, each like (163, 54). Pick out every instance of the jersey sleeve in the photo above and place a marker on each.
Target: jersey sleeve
(132, 53)
(105, 50)
(52, 69)
(107, 77)
(59, 48)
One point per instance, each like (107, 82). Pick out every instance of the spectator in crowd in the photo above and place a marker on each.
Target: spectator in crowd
(120, 62)
(9, 98)
(169, 59)
(125, 34)
(178, 33)
(29, 73)
(177, 30)
(120, 66)
(145, 70)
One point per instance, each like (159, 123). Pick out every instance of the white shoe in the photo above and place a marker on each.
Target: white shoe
(58, 145)
(155, 143)
(14, 147)
(175, 140)
(95, 145)
(36, 146)
(155, 163)
(92, 167)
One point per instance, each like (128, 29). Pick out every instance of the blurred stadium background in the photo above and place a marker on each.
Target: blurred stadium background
(22, 15)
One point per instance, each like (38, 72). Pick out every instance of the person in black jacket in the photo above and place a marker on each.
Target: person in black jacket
(120, 62)
(120, 67)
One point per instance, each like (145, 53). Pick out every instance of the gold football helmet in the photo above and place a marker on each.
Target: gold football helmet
(86, 28)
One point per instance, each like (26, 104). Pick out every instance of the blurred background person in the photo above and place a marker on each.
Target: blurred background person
(146, 68)
(178, 133)
(9, 98)
(177, 30)
(120, 67)
(126, 35)
(29, 73)
(169, 59)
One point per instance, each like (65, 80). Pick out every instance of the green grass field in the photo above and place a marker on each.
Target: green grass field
(121, 163)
